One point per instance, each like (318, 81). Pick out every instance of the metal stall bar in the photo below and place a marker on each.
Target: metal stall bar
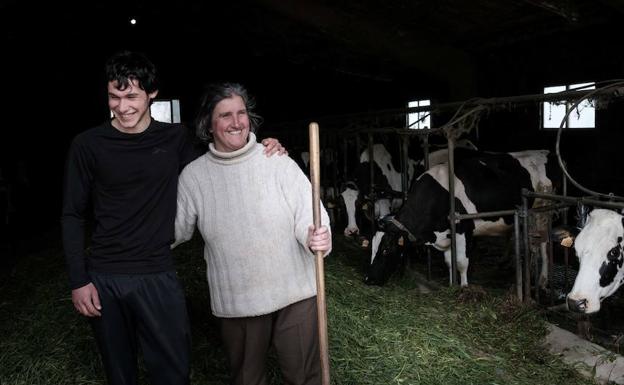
(517, 264)
(372, 181)
(334, 143)
(524, 214)
(608, 91)
(585, 200)
(452, 217)
(405, 165)
(567, 201)
(566, 251)
(425, 145)
(533, 211)
(517, 258)
(345, 149)
(487, 214)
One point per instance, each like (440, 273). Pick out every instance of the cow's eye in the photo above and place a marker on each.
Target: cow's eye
(614, 253)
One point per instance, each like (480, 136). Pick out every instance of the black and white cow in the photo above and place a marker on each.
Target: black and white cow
(388, 182)
(599, 247)
(387, 185)
(483, 182)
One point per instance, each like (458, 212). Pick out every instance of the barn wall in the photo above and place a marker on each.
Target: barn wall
(587, 55)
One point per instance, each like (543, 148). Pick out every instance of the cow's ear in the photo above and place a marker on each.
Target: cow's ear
(385, 223)
(349, 184)
(564, 235)
(582, 214)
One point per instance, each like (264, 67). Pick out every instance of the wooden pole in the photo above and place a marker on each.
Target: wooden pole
(320, 272)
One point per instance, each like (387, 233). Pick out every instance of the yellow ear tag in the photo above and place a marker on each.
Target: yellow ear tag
(365, 206)
(567, 241)
(365, 243)
(401, 241)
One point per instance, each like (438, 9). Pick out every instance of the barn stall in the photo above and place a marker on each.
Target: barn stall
(309, 61)
(384, 120)
(488, 266)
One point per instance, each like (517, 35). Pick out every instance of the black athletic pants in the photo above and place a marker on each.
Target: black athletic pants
(146, 311)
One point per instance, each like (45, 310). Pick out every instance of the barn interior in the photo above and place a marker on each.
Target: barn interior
(306, 60)
(345, 64)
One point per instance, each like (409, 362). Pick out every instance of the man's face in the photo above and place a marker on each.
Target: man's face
(130, 107)
(230, 124)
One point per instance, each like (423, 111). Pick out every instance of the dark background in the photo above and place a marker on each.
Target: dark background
(304, 60)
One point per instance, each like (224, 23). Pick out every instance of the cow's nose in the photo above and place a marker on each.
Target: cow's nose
(577, 305)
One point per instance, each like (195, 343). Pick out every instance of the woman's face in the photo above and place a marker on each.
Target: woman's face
(230, 124)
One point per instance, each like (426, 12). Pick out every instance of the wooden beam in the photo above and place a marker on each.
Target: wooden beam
(564, 9)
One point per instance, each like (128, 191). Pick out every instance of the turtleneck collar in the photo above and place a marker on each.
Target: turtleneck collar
(233, 155)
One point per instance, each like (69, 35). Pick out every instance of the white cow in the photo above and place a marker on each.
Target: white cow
(599, 250)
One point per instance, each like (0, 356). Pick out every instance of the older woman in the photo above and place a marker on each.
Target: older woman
(255, 216)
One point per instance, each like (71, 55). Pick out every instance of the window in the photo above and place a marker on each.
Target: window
(583, 116)
(419, 120)
(167, 111)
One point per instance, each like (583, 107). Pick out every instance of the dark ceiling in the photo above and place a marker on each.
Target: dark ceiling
(325, 56)
(374, 41)
(301, 59)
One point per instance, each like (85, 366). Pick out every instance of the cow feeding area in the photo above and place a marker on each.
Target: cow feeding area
(377, 335)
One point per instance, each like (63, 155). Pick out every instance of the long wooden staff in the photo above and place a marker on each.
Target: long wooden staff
(320, 270)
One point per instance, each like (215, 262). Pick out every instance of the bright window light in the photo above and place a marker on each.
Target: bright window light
(419, 120)
(583, 115)
(161, 111)
(175, 110)
(167, 111)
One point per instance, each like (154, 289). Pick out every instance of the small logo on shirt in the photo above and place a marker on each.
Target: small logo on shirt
(158, 150)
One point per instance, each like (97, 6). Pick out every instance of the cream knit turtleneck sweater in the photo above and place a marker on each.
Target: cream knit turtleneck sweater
(253, 212)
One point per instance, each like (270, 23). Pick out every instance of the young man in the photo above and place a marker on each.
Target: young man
(126, 172)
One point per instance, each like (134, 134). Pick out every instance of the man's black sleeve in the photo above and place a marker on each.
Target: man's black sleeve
(76, 192)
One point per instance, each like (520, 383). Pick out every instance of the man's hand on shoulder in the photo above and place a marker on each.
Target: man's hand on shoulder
(87, 301)
(272, 146)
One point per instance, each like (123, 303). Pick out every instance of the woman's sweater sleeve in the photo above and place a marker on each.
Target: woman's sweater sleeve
(298, 192)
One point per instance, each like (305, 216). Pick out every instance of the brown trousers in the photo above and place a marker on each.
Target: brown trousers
(292, 331)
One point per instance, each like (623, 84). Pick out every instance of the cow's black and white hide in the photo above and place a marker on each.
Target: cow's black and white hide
(388, 183)
(388, 186)
(484, 182)
(599, 247)
(440, 155)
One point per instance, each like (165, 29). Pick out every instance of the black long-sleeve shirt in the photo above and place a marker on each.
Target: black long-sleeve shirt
(130, 182)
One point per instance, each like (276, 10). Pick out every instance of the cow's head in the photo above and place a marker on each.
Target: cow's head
(360, 212)
(599, 250)
(350, 195)
(387, 252)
